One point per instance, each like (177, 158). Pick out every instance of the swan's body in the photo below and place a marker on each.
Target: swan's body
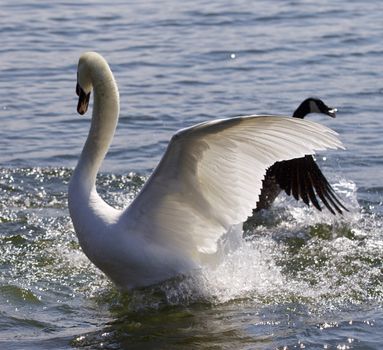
(301, 177)
(186, 205)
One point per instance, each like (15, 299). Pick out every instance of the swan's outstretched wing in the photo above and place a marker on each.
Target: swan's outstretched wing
(303, 179)
(211, 176)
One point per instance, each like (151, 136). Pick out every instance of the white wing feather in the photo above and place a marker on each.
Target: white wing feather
(211, 175)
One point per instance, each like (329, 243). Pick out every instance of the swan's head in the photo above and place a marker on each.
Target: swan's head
(84, 80)
(93, 72)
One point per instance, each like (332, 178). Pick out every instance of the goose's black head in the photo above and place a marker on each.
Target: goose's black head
(314, 105)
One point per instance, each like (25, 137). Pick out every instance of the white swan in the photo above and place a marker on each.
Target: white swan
(208, 180)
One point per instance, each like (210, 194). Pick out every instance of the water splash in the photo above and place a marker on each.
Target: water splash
(290, 253)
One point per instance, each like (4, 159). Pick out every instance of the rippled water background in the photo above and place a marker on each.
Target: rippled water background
(300, 280)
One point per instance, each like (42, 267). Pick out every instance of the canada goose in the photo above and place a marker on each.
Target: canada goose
(301, 176)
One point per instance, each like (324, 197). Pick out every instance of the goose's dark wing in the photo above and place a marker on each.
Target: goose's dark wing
(302, 178)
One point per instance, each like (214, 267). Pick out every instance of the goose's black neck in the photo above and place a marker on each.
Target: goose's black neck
(303, 109)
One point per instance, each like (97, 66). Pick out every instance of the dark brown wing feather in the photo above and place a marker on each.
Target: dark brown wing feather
(270, 191)
(303, 179)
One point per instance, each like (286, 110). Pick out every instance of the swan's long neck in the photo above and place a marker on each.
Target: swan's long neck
(104, 122)
(91, 216)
